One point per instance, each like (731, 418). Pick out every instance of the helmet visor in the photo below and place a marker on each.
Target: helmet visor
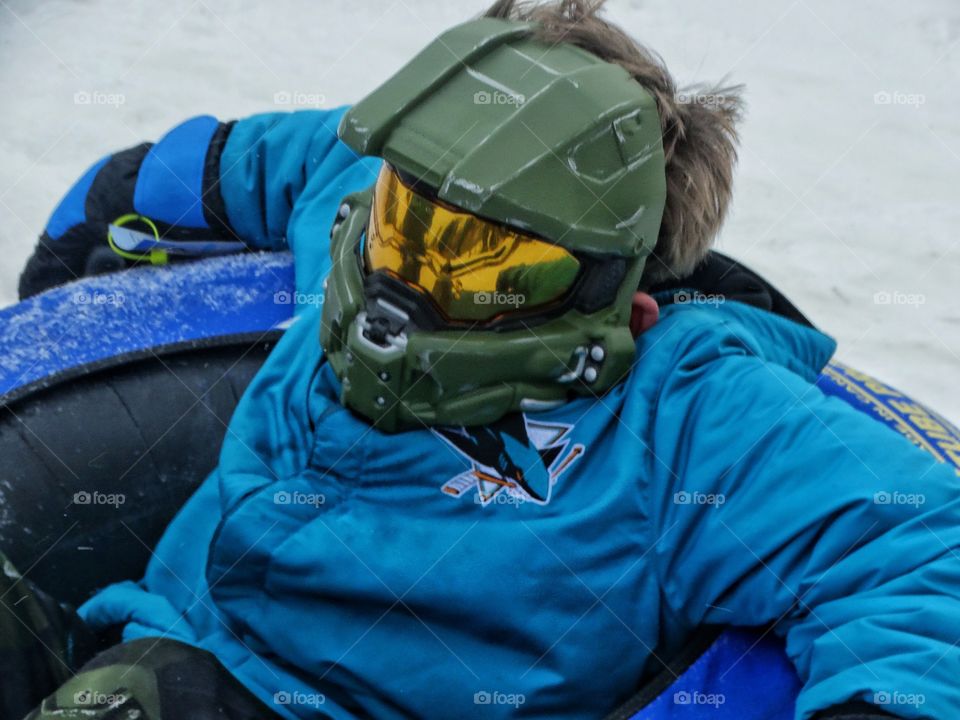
(473, 269)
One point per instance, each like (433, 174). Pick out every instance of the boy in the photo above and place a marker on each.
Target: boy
(504, 426)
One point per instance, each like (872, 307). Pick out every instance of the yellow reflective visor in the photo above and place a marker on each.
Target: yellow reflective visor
(471, 268)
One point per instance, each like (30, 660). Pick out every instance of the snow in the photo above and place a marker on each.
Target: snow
(843, 199)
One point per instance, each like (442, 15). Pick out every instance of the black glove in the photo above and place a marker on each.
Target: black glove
(74, 244)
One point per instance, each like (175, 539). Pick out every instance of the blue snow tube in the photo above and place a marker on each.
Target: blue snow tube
(200, 322)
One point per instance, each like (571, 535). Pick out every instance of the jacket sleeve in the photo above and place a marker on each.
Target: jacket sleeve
(205, 179)
(776, 504)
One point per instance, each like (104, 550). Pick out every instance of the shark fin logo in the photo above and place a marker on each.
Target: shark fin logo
(515, 458)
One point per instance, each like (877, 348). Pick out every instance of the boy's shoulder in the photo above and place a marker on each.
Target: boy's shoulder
(703, 329)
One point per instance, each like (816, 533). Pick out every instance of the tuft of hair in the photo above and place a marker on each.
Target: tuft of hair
(698, 123)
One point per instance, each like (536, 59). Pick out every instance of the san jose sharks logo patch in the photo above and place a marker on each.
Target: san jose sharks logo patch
(515, 459)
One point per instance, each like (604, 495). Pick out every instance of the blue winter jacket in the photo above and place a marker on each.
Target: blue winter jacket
(338, 570)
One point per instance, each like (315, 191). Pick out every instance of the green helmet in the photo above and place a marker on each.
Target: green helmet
(492, 266)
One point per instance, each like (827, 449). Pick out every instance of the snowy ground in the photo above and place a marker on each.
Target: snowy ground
(843, 199)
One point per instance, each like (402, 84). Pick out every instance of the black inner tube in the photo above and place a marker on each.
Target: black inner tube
(96, 467)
